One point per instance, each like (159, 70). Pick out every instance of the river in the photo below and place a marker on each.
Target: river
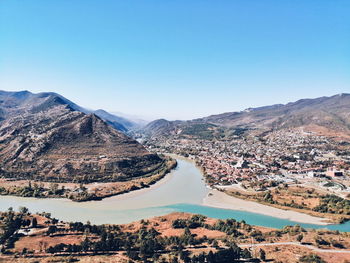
(183, 190)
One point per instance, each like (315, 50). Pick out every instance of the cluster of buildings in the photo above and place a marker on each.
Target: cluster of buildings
(281, 156)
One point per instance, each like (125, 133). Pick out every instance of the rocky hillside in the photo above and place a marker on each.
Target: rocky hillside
(162, 127)
(46, 137)
(326, 115)
(14, 102)
(329, 112)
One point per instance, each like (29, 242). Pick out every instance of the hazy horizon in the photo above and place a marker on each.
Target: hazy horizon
(176, 60)
(141, 117)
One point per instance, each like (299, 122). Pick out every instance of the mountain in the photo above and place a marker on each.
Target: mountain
(160, 127)
(328, 113)
(12, 103)
(20, 99)
(138, 120)
(110, 119)
(117, 122)
(325, 115)
(45, 136)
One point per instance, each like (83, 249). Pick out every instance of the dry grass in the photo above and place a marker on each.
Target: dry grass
(41, 242)
(163, 224)
(292, 254)
(118, 258)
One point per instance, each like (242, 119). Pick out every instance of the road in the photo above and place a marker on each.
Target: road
(296, 244)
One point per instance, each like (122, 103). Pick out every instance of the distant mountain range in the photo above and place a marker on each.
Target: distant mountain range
(324, 115)
(117, 122)
(46, 136)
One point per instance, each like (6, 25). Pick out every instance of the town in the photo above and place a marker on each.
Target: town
(248, 164)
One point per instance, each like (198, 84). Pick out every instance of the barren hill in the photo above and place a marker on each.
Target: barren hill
(45, 136)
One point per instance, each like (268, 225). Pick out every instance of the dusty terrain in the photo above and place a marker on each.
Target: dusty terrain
(287, 245)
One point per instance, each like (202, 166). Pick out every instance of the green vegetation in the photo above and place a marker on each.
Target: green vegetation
(11, 222)
(203, 131)
(231, 227)
(81, 193)
(311, 259)
(147, 244)
(226, 255)
(34, 190)
(333, 204)
(194, 222)
(328, 204)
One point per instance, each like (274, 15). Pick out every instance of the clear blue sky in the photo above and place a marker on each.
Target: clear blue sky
(176, 58)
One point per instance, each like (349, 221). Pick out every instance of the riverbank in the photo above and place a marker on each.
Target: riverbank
(99, 191)
(83, 192)
(219, 199)
(45, 240)
(182, 190)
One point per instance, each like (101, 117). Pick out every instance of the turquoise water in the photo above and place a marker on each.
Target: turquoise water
(182, 191)
(251, 218)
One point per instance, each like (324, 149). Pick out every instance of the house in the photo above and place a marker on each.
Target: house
(333, 172)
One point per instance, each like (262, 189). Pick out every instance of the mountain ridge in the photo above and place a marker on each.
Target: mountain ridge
(44, 137)
(24, 98)
(331, 115)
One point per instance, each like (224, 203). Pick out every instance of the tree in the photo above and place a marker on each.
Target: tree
(262, 254)
(34, 222)
(300, 237)
(210, 257)
(187, 232)
(311, 259)
(54, 188)
(82, 187)
(85, 244)
(26, 223)
(184, 255)
(23, 210)
(51, 230)
(246, 254)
